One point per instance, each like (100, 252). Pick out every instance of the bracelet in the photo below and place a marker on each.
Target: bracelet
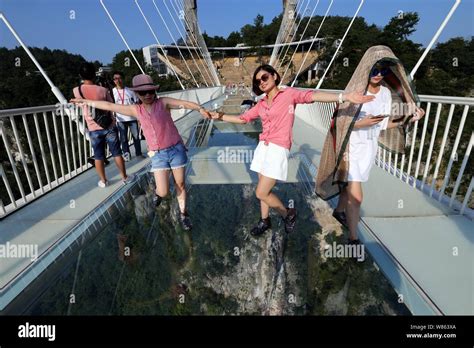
(341, 99)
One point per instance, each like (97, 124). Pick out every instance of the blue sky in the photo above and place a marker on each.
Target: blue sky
(47, 23)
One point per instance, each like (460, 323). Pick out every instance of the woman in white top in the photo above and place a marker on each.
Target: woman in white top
(363, 142)
(363, 146)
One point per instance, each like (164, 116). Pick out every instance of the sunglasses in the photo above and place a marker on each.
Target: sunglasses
(144, 93)
(264, 78)
(381, 71)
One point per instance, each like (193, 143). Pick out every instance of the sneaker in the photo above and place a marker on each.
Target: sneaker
(102, 184)
(129, 179)
(262, 226)
(156, 200)
(341, 217)
(290, 220)
(126, 156)
(185, 221)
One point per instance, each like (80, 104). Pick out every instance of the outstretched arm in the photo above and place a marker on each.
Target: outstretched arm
(352, 97)
(172, 103)
(227, 118)
(246, 117)
(128, 110)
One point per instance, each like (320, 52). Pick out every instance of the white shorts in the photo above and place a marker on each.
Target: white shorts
(271, 160)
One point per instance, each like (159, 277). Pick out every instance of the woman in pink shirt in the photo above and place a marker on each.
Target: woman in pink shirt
(165, 145)
(270, 159)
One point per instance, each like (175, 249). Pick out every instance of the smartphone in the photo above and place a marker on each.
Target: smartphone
(380, 116)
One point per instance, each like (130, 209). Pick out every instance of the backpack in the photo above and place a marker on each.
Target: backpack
(102, 117)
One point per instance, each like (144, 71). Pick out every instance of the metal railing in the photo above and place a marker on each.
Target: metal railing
(43, 147)
(437, 159)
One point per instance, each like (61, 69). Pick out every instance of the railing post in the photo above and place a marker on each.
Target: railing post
(12, 162)
(467, 196)
(22, 155)
(461, 170)
(8, 187)
(441, 150)
(453, 153)
(33, 155)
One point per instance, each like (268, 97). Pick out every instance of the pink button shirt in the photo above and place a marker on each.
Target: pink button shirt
(278, 118)
(158, 126)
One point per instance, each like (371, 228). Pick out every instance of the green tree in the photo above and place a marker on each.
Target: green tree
(233, 39)
(448, 70)
(401, 26)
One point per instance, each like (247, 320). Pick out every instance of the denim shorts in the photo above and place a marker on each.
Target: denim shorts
(105, 136)
(170, 158)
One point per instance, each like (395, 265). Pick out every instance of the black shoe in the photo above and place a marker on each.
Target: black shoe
(290, 220)
(354, 242)
(341, 217)
(262, 226)
(185, 221)
(156, 200)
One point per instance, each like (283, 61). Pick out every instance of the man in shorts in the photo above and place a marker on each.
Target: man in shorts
(99, 136)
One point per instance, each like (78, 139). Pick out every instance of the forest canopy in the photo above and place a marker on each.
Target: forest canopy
(447, 70)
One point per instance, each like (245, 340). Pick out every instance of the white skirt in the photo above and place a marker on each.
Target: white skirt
(271, 161)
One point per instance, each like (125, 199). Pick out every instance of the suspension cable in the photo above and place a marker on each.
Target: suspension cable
(169, 64)
(294, 35)
(302, 36)
(185, 43)
(282, 35)
(286, 49)
(180, 53)
(206, 52)
(435, 37)
(180, 14)
(340, 44)
(120, 33)
(196, 47)
(312, 42)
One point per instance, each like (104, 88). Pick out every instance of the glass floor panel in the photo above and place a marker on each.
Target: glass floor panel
(226, 134)
(231, 139)
(143, 263)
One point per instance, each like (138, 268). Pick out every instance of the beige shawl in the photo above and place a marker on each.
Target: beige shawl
(334, 165)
